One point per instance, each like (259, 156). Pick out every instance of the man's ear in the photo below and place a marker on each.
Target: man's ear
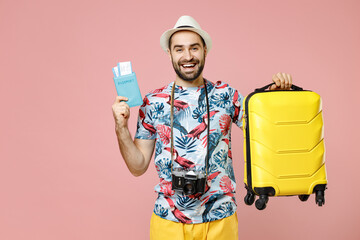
(169, 53)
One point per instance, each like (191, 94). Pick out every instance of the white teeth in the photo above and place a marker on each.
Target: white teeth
(189, 65)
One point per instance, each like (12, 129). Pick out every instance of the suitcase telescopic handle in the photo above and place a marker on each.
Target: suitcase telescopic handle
(263, 89)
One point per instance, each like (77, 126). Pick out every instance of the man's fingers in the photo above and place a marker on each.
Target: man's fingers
(125, 112)
(276, 80)
(120, 105)
(272, 87)
(290, 80)
(282, 80)
(121, 109)
(120, 98)
(286, 81)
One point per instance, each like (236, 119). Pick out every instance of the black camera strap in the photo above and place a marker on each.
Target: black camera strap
(172, 126)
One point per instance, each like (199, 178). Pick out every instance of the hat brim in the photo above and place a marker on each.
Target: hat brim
(164, 39)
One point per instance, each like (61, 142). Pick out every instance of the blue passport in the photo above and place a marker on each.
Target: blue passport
(127, 86)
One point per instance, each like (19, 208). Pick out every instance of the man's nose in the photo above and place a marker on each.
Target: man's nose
(187, 55)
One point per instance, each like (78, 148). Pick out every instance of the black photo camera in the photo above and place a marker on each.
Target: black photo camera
(189, 182)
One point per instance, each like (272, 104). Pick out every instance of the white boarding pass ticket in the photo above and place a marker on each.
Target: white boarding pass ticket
(125, 68)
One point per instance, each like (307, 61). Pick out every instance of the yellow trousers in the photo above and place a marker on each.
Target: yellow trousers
(223, 229)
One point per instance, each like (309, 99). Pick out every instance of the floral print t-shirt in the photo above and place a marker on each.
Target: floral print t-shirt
(190, 148)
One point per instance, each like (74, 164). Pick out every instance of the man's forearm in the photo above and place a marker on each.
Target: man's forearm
(133, 157)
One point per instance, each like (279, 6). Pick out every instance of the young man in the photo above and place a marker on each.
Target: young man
(188, 123)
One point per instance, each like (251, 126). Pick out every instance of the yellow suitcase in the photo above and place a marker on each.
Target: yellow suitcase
(283, 145)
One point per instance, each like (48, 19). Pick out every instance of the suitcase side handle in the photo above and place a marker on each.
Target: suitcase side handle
(263, 89)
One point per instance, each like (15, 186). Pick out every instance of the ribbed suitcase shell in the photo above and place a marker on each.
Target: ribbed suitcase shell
(284, 142)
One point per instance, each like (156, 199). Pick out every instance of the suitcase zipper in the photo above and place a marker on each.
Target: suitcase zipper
(248, 157)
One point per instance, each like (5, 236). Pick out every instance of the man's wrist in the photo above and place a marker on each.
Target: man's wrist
(121, 131)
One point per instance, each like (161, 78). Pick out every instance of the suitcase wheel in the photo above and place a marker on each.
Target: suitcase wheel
(320, 198)
(260, 204)
(319, 191)
(304, 198)
(249, 198)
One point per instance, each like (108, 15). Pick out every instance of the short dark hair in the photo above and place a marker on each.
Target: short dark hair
(185, 30)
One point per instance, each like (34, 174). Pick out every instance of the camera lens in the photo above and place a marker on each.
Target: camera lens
(189, 188)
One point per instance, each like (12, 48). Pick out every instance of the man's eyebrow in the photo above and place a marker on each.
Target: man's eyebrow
(195, 44)
(175, 46)
(191, 45)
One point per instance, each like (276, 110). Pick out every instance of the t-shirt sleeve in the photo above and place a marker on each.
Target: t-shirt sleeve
(145, 126)
(237, 108)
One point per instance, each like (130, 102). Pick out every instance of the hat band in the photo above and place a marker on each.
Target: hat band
(185, 26)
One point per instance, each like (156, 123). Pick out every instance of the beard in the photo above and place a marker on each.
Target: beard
(189, 76)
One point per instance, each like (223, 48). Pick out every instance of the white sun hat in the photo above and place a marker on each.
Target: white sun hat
(185, 23)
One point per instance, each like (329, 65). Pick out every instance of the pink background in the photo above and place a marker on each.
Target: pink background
(61, 173)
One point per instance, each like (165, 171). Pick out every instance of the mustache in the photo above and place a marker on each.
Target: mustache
(191, 61)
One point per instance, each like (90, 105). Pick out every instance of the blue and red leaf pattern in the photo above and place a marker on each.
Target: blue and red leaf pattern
(190, 148)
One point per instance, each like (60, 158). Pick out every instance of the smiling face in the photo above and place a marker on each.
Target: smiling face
(187, 53)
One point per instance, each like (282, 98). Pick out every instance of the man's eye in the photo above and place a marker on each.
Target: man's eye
(178, 50)
(194, 48)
